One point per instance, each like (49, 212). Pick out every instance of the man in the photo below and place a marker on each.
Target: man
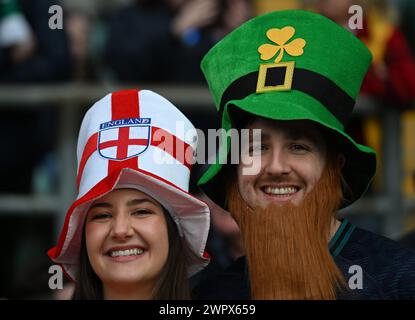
(295, 75)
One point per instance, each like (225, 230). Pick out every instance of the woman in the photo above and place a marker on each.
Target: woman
(134, 231)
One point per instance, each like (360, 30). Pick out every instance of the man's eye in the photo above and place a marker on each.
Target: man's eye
(257, 148)
(299, 147)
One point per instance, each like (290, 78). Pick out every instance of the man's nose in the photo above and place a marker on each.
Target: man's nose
(121, 227)
(278, 163)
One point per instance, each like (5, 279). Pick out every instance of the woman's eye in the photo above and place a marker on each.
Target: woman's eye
(141, 212)
(101, 216)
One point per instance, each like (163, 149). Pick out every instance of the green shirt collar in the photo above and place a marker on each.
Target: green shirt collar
(341, 237)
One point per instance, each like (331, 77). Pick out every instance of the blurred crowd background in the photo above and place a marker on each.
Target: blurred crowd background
(50, 77)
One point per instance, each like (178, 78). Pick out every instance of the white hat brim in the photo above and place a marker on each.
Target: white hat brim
(191, 215)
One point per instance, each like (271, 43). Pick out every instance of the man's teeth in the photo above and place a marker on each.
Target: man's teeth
(287, 190)
(130, 252)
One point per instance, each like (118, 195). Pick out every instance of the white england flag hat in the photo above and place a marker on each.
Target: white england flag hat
(129, 139)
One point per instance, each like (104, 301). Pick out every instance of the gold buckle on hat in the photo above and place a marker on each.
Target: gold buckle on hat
(262, 75)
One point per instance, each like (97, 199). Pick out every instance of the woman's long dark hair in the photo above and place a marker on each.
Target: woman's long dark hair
(172, 283)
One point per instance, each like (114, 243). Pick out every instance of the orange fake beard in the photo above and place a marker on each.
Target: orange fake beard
(287, 245)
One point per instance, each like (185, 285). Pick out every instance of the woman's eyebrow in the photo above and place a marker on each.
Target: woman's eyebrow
(101, 205)
(129, 203)
(134, 202)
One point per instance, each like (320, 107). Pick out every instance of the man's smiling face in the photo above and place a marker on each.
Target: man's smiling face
(292, 155)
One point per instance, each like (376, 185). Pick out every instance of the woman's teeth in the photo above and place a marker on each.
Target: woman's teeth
(283, 191)
(130, 252)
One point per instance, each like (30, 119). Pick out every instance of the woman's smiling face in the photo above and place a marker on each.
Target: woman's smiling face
(127, 239)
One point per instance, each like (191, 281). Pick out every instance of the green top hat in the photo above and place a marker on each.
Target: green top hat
(291, 65)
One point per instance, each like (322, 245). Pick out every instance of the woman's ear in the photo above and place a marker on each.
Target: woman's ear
(341, 160)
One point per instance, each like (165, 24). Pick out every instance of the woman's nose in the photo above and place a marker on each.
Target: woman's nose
(121, 228)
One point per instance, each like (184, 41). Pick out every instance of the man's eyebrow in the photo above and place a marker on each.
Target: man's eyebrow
(264, 135)
(302, 134)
